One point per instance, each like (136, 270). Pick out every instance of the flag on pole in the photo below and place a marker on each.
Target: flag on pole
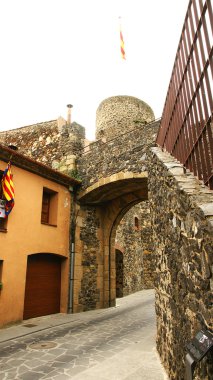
(123, 55)
(8, 189)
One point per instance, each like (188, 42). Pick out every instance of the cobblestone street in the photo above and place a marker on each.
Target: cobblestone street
(110, 344)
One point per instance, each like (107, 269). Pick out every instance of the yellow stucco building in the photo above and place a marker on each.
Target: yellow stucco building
(34, 241)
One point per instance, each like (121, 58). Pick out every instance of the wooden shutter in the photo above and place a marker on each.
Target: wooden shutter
(45, 208)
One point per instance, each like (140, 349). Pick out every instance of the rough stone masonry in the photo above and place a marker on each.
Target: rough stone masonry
(182, 220)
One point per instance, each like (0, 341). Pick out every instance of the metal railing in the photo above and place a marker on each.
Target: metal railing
(186, 127)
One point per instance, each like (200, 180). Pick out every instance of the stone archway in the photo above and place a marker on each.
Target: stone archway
(134, 237)
(110, 242)
(101, 208)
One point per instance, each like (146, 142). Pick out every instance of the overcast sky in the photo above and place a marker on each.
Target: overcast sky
(55, 52)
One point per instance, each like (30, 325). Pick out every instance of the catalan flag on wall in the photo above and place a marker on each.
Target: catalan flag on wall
(123, 55)
(8, 189)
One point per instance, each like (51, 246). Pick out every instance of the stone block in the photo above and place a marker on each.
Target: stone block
(207, 208)
(79, 221)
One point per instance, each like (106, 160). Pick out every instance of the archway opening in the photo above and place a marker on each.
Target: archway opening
(103, 208)
(134, 264)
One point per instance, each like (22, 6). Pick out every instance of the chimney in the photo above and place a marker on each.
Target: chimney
(69, 106)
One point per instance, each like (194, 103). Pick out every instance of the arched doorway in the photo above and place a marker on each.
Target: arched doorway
(137, 250)
(134, 235)
(102, 208)
(43, 285)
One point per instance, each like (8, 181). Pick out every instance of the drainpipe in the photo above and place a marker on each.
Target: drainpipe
(72, 251)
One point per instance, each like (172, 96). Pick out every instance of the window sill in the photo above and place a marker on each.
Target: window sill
(49, 224)
(3, 230)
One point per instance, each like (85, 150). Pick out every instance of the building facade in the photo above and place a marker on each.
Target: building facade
(34, 239)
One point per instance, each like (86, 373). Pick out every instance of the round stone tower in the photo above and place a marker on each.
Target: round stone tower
(118, 114)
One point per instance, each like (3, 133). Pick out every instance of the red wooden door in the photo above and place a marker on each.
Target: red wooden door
(43, 285)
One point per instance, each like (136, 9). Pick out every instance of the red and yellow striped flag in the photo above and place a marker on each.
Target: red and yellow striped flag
(7, 183)
(8, 189)
(123, 55)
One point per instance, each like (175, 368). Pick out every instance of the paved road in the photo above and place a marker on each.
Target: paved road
(109, 344)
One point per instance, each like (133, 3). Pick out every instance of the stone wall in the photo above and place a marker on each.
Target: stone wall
(53, 143)
(137, 248)
(117, 114)
(147, 245)
(182, 219)
(127, 152)
(89, 294)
